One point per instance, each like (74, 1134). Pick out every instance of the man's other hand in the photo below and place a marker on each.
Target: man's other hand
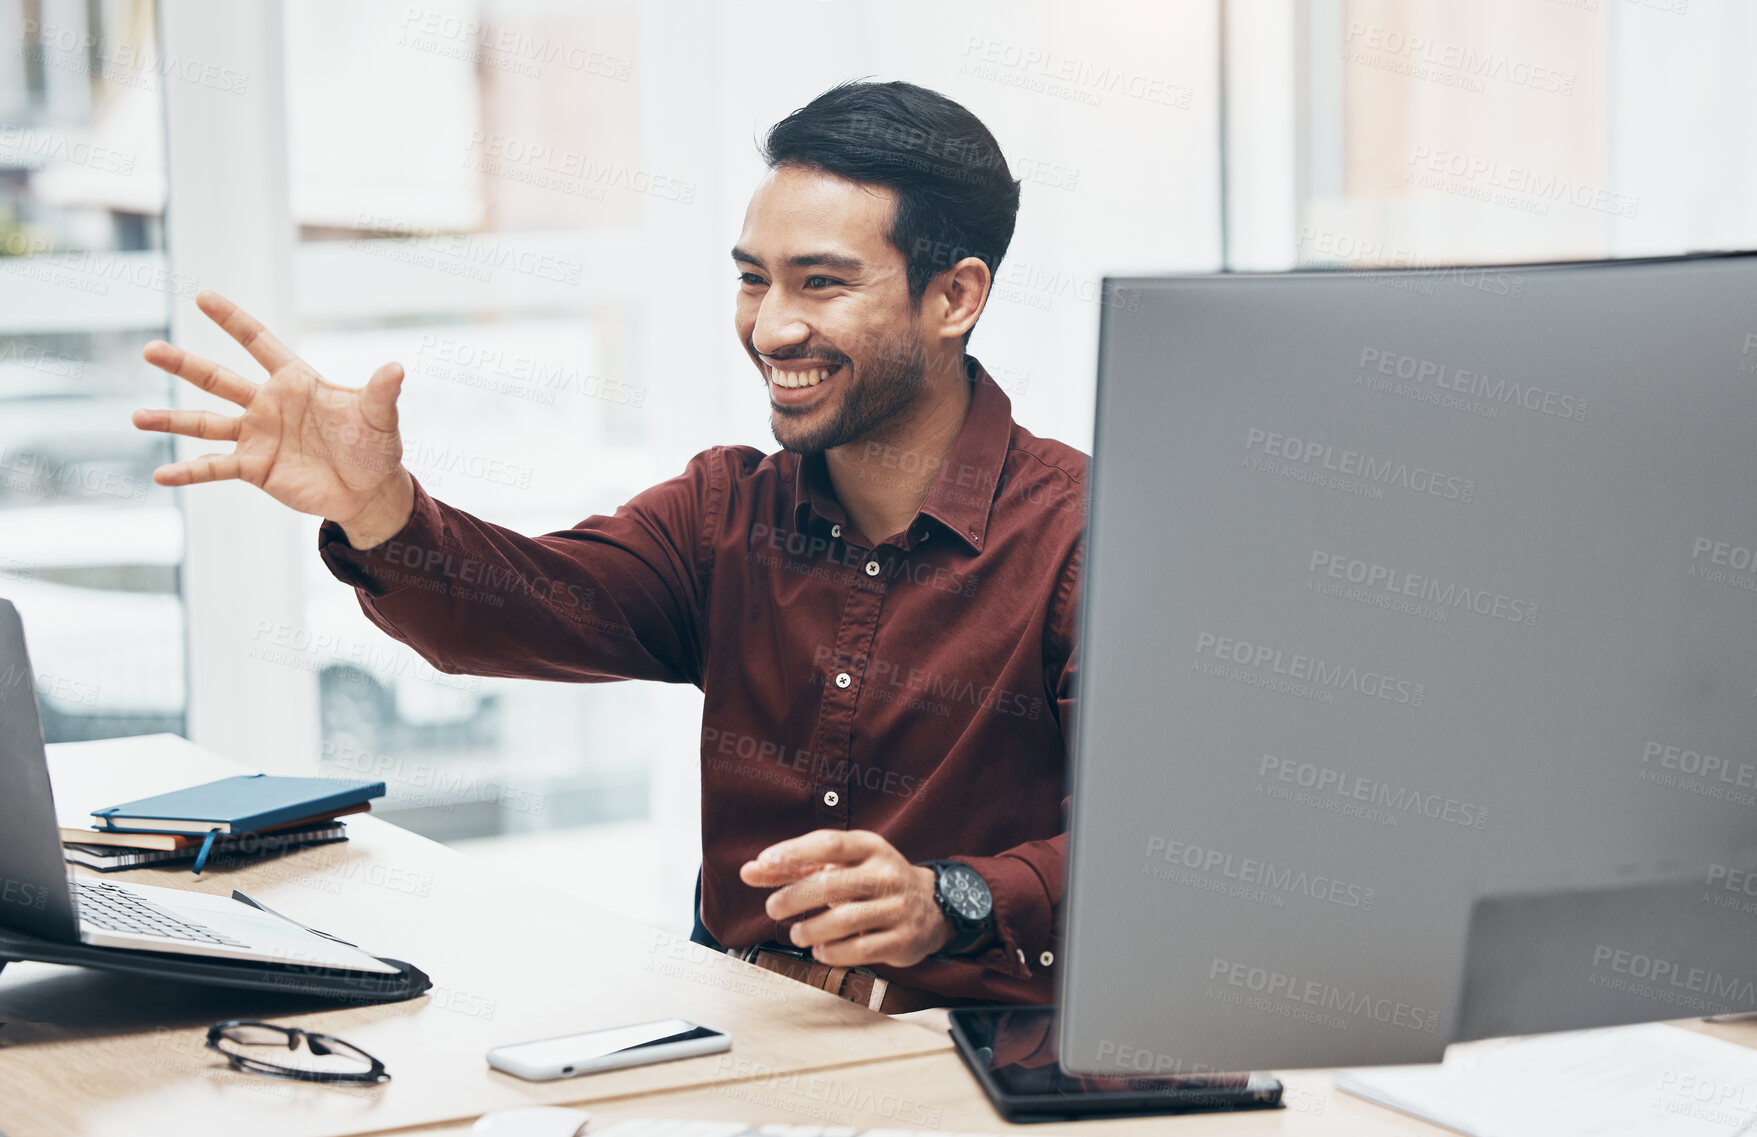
(877, 907)
(313, 446)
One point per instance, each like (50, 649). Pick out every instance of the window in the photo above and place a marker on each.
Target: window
(1403, 132)
(90, 549)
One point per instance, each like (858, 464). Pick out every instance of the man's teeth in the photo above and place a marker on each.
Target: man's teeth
(799, 378)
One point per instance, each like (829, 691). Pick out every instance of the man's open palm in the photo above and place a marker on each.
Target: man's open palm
(318, 448)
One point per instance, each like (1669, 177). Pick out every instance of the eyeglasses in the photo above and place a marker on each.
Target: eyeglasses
(249, 1045)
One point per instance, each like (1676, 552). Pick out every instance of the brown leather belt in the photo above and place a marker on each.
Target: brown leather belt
(856, 984)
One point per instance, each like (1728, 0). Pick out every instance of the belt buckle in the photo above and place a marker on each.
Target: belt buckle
(775, 948)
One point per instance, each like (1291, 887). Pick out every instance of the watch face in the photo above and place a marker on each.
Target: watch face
(965, 892)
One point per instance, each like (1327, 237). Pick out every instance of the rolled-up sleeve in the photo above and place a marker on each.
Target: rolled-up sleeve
(617, 597)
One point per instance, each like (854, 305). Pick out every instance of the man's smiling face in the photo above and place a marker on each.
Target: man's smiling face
(824, 309)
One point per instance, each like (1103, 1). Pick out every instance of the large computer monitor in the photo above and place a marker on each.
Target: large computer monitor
(1419, 680)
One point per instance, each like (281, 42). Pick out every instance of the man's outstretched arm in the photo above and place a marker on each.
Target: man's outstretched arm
(615, 597)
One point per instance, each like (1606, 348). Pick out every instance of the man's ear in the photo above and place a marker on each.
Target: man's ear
(959, 295)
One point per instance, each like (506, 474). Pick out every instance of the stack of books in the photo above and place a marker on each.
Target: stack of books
(244, 817)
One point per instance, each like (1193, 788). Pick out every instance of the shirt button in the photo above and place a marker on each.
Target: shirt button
(843, 680)
(1047, 958)
(871, 568)
(835, 530)
(831, 797)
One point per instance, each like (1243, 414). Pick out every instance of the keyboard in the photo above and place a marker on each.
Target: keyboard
(660, 1127)
(116, 909)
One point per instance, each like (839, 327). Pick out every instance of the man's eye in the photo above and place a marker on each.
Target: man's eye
(749, 278)
(821, 282)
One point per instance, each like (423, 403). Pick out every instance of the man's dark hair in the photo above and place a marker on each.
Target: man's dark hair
(956, 198)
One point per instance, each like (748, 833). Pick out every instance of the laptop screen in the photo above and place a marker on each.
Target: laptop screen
(34, 897)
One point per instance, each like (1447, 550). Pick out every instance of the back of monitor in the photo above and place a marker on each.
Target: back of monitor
(1420, 626)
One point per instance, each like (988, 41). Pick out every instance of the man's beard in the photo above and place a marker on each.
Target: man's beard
(876, 394)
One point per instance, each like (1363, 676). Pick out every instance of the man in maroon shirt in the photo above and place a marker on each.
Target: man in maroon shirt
(880, 615)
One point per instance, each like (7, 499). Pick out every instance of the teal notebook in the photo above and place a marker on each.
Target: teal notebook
(235, 805)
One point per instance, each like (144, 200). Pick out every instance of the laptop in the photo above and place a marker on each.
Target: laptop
(39, 897)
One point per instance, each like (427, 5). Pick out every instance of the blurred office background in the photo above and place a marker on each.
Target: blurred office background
(529, 204)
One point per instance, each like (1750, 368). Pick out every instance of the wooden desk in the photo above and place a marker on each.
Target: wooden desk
(92, 1053)
(936, 1092)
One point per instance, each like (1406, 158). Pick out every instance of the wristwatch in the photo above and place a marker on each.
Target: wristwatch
(964, 897)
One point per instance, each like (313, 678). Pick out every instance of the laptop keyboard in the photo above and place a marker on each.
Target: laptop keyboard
(118, 910)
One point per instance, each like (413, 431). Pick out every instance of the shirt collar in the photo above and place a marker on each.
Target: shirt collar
(962, 497)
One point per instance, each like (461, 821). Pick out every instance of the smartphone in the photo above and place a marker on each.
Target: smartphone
(613, 1049)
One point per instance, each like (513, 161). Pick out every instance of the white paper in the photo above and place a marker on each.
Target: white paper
(1636, 1081)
